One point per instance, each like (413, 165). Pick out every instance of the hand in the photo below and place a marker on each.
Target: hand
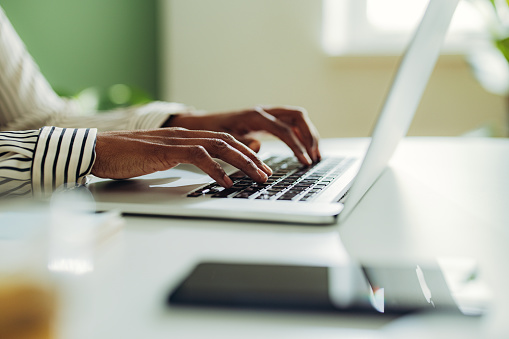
(290, 124)
(127, 154)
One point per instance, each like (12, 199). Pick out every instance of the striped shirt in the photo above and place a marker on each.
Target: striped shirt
(36, 156)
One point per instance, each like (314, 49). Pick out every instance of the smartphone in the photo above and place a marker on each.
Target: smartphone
(348, 288)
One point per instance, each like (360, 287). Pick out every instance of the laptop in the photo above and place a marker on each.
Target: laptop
(318, 194)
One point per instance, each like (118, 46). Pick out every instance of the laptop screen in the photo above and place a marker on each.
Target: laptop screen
(404, 97)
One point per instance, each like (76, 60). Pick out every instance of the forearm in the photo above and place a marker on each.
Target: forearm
(62, 156)
(39, 161)
(148, 116)
(27, 100)
(196, 120)
(16, 155)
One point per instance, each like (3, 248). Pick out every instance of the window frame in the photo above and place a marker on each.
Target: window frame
(346, 31)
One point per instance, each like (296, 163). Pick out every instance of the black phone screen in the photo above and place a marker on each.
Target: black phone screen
(310, 288)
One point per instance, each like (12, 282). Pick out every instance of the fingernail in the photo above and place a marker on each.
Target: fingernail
(267, 169)
(307, 159)
(263, 175)
(315, 155)
(228, 181)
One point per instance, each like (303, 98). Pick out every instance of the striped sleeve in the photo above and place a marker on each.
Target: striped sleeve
(16, 154)
(39, 161)
(28, 102)
(62, 156)
(148, 116)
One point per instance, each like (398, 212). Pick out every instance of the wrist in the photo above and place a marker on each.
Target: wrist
(184, 120)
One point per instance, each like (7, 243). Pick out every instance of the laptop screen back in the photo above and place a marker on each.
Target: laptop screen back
(404, 97)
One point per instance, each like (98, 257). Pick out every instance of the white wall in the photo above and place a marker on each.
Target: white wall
(228, 54)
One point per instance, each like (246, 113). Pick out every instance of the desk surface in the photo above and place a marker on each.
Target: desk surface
(440, 197)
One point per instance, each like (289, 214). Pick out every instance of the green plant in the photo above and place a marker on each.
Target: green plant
(118, 95)
(499, 26)
(490, 60)
(489, 56)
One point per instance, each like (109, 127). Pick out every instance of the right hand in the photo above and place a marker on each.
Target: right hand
(127, 154)
(291, 124)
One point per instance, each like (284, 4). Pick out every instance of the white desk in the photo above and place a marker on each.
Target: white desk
(440, 197)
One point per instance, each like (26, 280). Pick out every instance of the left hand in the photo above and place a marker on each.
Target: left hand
(288, 123)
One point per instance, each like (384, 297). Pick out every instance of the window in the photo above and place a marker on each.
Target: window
(385, 26)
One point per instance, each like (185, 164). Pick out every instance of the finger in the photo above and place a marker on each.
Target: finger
(120, 156)
(220, 149)
(312, 148)
(198, 156)
(228, 138)
(298, 118)
(284, 132)
(253, 144)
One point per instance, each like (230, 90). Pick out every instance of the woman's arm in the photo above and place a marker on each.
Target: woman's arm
(39, 161)
(28, 102)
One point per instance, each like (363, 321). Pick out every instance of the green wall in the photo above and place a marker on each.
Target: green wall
(79, 44)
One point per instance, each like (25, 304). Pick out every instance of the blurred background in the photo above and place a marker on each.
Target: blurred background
(334, 57)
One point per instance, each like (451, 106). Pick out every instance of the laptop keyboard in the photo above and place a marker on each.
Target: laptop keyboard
(290, 181)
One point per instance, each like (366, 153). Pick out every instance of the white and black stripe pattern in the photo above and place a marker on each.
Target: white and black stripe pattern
(62, 156)
(27, 100)
(147, 116)
(16, 153)
(39, 161)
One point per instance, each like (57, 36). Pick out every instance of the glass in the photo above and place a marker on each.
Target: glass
(28, 300)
